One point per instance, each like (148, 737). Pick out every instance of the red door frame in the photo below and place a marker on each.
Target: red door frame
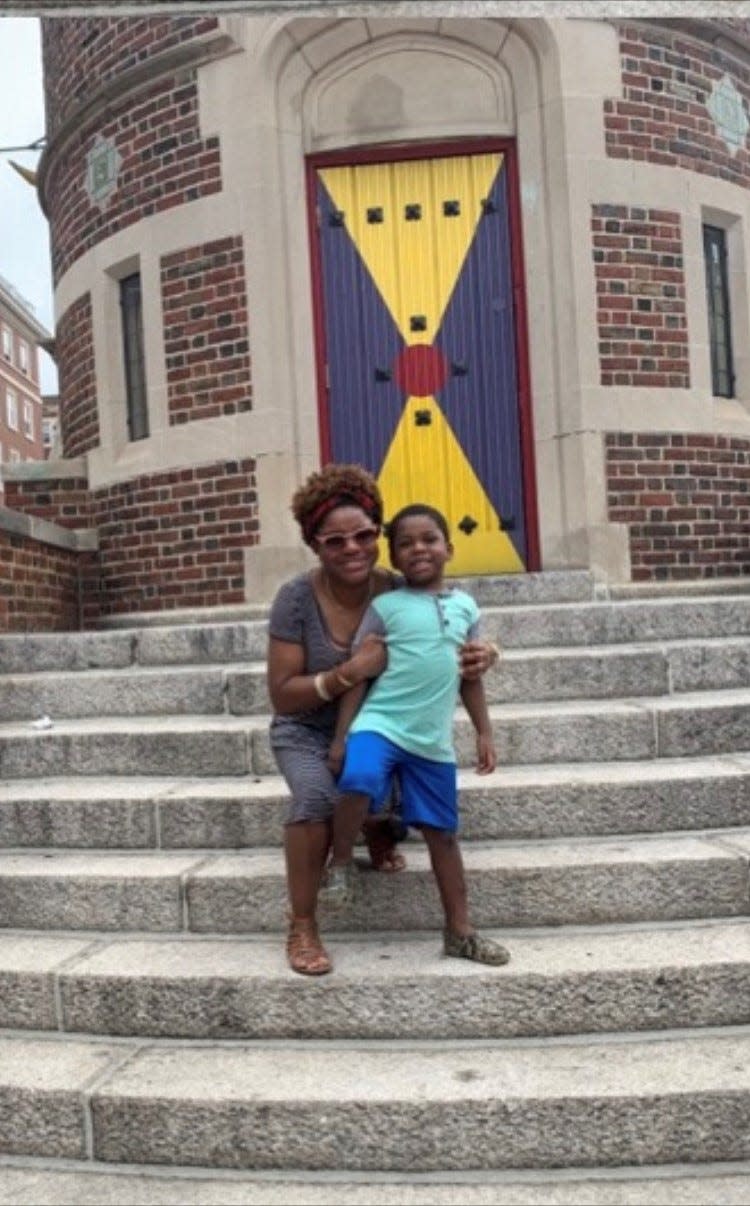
(397, 153)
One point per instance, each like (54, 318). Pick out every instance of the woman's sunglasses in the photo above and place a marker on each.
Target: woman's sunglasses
(335, 542)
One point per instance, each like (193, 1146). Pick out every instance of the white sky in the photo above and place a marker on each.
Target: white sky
(24, 232)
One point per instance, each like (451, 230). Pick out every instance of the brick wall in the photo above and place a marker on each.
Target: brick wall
(176, 539)
(662, 117)
(81, 54)
(164, 162)
(38, 586)
(65, 501)
(206, 345)
(79, 416)
(640, 285)
(685, 500)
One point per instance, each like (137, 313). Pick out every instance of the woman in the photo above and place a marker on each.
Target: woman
(313, 620)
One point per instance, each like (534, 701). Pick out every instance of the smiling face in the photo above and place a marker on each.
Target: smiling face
(419, 550)
(347, 545)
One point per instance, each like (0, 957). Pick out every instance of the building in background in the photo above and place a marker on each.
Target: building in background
(502, 262)
(51, 425)
(21, 335)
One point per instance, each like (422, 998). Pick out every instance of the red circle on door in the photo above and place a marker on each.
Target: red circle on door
(421, 370)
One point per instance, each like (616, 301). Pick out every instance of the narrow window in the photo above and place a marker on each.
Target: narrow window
(7, 343)
(11, 410)
(135, 369)
(23, 356)
(28, 419)
(719, 317)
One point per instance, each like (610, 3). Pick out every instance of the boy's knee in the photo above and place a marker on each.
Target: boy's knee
(443, 837)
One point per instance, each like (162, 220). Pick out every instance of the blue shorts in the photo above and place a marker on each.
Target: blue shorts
(429, 794)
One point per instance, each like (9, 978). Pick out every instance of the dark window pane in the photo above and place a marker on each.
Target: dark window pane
(132, 343)
(719, 318)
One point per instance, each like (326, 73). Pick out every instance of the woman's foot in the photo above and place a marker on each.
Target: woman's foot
(382, 848)
(304, 951)
(476, 948)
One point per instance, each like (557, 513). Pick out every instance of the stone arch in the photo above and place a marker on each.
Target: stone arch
(504, 72)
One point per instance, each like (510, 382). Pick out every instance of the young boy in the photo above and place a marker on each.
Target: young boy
(404, 726)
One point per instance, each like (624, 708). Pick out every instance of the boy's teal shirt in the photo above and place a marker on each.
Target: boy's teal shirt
(413, 701)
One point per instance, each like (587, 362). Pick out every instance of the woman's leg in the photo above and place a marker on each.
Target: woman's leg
(306, 846)
(306, 849)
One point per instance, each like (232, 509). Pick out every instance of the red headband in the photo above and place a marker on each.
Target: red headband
(312, 522)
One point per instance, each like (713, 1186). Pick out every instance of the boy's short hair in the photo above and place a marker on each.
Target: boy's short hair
(413, 510)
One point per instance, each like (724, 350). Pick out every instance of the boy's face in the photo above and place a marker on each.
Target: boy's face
(420, 550)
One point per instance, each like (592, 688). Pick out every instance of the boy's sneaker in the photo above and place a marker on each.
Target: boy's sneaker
(339, 888)
(475, 947)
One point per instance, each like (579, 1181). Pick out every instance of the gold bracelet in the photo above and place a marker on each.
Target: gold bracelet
(320, 687)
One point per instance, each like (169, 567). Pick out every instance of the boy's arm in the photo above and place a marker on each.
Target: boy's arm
(371, 629)
(475, 702)
(349, 704)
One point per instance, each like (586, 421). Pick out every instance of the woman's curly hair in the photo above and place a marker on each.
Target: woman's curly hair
(335, 486)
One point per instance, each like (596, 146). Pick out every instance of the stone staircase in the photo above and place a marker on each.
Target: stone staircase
(155, 1048)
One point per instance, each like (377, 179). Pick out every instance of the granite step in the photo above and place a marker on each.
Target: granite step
(605, 672)
(92, 1185)
(600, 1101)
(581, 881)
(141, 812)
(32, 1181)
(602, 622)
(562, 731)
(241, 689)
(568, 980)
(547, 586)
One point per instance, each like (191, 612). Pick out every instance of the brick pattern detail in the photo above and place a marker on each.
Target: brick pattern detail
(81, 54)
(38, 586)
(685, 500)
(164, 163)
(176, 539)
(640, 285)
(79, 415)
(65, 501)
(662, 117)
(204, 308)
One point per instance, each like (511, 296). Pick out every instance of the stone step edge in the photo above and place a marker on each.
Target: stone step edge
(612, 603)
(647, 646)
(251, 786)
(36, 1181)
(78, 954)
(734, 841)
(259, 722)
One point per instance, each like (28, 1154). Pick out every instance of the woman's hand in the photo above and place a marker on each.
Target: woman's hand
(370, 660)
(476, 658)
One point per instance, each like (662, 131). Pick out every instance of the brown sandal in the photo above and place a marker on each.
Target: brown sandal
(304, 950)
(382, 848)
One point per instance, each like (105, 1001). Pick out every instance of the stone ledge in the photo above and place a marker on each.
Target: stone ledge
(77, 540)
